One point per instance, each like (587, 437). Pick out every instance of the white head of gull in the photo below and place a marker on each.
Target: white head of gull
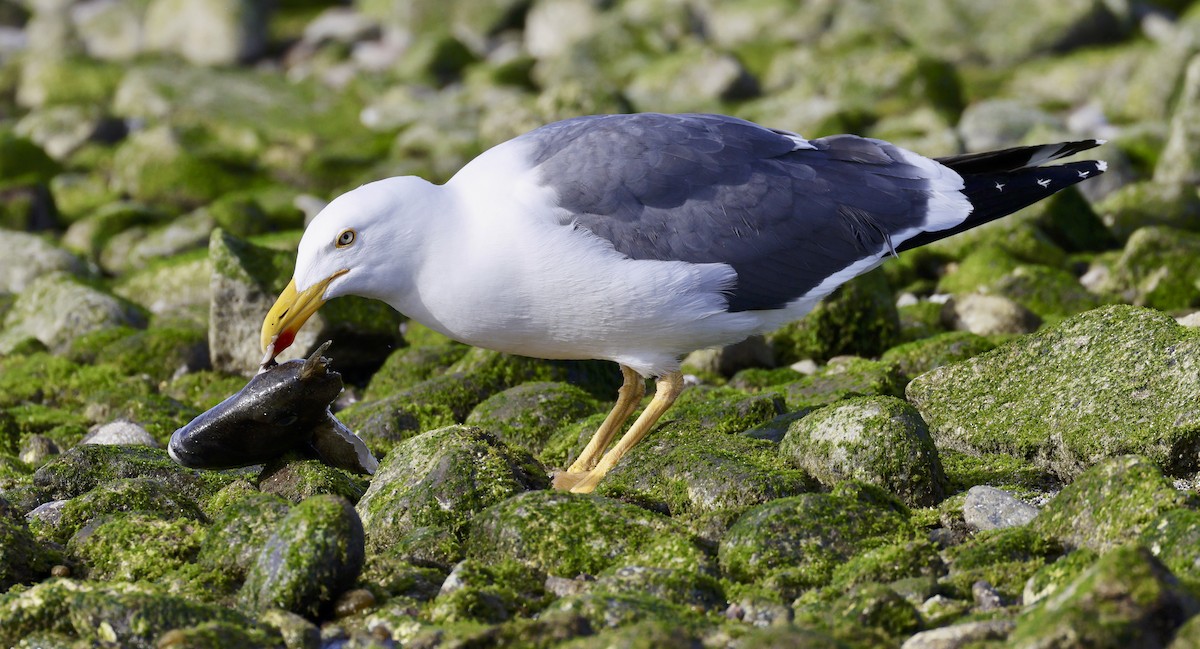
(640, 238)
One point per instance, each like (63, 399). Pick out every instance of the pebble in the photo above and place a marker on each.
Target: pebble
(120, 433)
(989, 508)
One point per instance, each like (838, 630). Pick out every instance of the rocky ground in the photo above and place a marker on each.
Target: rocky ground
(989, 442)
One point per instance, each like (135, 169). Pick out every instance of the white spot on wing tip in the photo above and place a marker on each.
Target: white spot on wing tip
(1101, 166)
(1100, 142)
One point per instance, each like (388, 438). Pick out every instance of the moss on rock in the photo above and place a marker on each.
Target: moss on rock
(527, 415)
(408, 366)
(851, 377)
(1005, 559)
(878, 440)
(82, 468)
(920, 356)
(1114, 502)
(133, 547)
(1107, 382)
(565, 535)
(858, 318)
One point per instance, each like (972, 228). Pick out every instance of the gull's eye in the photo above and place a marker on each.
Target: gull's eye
(345, 238)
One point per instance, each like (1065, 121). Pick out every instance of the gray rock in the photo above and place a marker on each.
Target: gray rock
(957, 636)
(314, 554)
(989, 508)
(1112, 503)
(1064, 397)
(47, 514)
(204, 32)
(38, 257)
(443, 478)
(57, 308)
(1126, 599)
(36, 450)
(878, 440)
(137, 247)
(120, 432)
(1158, 268)
(1180, 161)
(730, 359)
(988, 315)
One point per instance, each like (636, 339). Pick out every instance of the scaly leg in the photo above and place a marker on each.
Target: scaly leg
(629, 396)
(666, 391)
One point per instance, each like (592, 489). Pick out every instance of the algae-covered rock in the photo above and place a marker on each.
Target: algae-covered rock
(82, 468)
(691, 472)
(1159, 269)
(409, 366)
(858, 318)
(1141, 204)
(565, 535)
(629, 613)
(314, 554)
(989, 315)
(865, 615)
(161, 352)
(1126, 599)
(23, 163)
(148, 496)
(443, 478)
(489, 592)
(38, 257)
(1112, 503)
(133, 547)
(1107, 382)
(528, 414)
(794, 544)
(297, 480)
(849, 377)
(137, 615)
(689, 79)
(1173, 538)
(434, 403)
(1047, 292)
(58, 308)
(920, 356)
(221, 635)
(878, 440)
(1005, 559)
(238, 531)
(1180, 162)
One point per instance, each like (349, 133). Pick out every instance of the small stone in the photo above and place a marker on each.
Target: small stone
(989, 508)
(60, 570)
(986, 597)
(120, 432)
(353, 602)
(36, 450)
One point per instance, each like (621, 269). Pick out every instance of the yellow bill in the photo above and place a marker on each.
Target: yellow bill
(291, 310)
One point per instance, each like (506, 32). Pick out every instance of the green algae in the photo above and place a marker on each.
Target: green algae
(1005, 558)
(858, 318)
(920, 356)
(133, 546)
(82, 468)
(297, 479)
(408, 366)
(850, 377)
(123, 495)
(492, 592)
(529, 414)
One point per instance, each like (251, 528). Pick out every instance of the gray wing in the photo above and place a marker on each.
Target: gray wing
(709, 188)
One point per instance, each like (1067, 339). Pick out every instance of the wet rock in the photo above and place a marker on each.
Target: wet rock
(314, 554)
(120, 432)
(920, 356)
(878, 440)
(57, 308)
(1091, 375)
(208, 33)
(989, 508)
(988, 315)
(858, 318)
(1180, 162)
(1112, 503)
(38, 257)
(1128, 598)
(567, 534)
(528, 414)
(792, 544)
(245, 282)
(443, 478)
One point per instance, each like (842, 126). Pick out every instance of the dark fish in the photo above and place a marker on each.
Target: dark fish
(284, 407)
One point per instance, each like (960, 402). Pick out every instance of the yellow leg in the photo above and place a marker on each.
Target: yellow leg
(633, 388)
(666, 391)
